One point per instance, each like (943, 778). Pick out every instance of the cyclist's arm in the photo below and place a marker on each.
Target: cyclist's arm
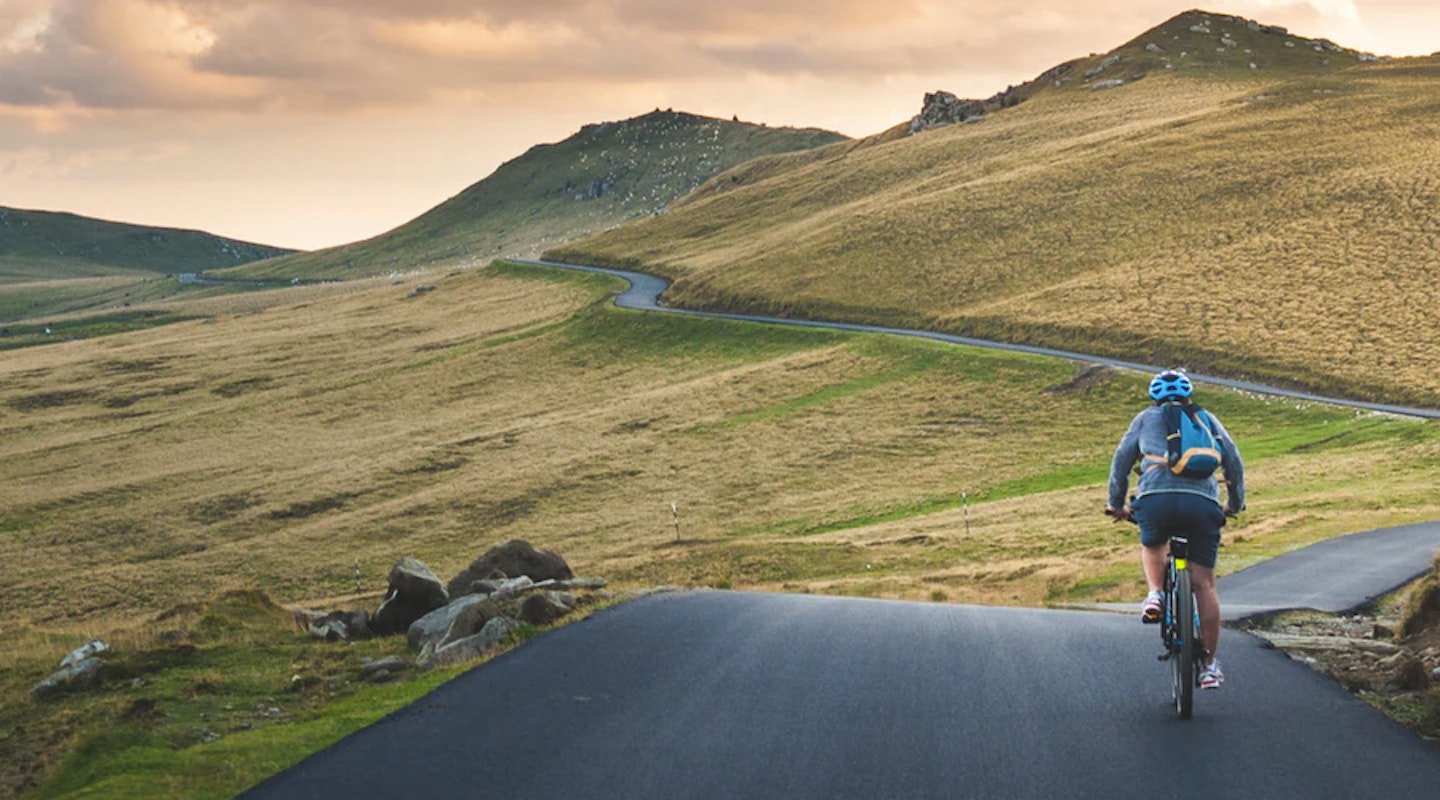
(1126, 454)
(1234, 468)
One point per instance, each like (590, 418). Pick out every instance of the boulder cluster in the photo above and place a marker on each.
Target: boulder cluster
(450, 623)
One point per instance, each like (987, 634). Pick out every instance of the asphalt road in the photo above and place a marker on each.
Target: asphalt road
(645, 290)
(730, 695)
(1335, 576)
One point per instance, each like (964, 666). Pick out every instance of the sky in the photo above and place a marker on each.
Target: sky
(311, 123)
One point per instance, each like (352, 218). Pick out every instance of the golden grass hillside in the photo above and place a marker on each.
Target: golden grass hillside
(1269, 224)
(276, 447)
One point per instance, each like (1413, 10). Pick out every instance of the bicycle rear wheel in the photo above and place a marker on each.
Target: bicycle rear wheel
(1186, 650)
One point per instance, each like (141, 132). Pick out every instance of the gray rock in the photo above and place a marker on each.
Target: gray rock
(514, 558)
(470, 648)
(94, 647)
(434, 625)
(389, 664)
(514, 587)
(582, 584)
(1110, 84)
(414, 592)
(542, 608)
(470, 621)
(77, 673)
(336, 626)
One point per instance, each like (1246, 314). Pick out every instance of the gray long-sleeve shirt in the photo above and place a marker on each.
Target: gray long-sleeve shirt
(1145, 442)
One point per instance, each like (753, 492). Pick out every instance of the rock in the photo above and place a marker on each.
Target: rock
(470, 648)
(514, 558)
(514, 587)
(486, 586)
(944, 108)
(542, 608)
(1154, 48)
(1378, 631)
(1406, 674)
(336, 626)
(1110, 84)
(435, 625)
(94, 647)
(1285, 641)
(414, 592)
(1104, 65)
(76, 673)
(380, 670)
(582, 584)
(469, 621)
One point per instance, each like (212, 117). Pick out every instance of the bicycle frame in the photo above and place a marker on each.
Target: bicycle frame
(1181, 629)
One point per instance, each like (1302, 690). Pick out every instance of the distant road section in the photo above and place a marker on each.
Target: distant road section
(1334, 576)
(645, 290)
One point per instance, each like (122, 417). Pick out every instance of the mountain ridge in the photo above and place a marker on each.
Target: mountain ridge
(45, 245)
(1062, 220)
(605, 174)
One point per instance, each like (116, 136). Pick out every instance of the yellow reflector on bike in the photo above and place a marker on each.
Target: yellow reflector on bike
(1181, 563)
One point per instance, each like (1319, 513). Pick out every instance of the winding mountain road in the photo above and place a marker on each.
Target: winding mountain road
(741, 695)
(645, 290)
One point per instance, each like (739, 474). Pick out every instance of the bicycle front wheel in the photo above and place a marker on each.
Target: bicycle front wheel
(1186, 650)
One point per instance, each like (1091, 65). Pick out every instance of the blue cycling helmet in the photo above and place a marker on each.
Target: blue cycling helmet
(1170, 385)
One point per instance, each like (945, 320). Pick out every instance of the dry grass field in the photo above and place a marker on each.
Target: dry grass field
(1276, 225)
(275, 446)
(283, 437)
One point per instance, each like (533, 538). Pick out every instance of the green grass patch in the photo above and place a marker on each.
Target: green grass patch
(603, 335)
(15, 336)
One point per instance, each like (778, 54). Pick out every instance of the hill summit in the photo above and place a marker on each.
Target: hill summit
(606, 174)
(1194, 43)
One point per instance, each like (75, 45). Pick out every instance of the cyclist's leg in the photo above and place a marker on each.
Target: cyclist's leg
(1154, 544)
(1205, 521)
(1152, 560)
(1202, 582)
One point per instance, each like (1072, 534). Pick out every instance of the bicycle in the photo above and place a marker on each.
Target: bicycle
(1180, 628)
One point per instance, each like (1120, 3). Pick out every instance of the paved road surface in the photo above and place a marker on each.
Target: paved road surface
(645, 290)
(1335, 576)
(730, 695)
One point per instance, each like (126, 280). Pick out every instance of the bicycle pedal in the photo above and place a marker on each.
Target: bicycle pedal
(1163, 657)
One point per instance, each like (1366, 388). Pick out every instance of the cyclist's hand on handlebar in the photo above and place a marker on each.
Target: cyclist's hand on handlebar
(1120, 514)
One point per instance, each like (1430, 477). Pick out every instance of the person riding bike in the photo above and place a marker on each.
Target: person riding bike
(1166, 503)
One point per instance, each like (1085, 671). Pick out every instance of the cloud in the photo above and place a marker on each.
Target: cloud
(349, 55)
(1339, 9)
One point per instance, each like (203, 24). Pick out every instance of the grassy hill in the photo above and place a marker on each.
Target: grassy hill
(1244, 201)
(46, 246)
(603, 176)
(56, 264)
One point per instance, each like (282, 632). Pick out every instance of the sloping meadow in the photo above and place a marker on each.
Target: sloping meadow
(191, 474)
(279, 449)
(1270, 225)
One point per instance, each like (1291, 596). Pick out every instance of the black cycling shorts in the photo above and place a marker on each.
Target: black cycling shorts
(1193, 516)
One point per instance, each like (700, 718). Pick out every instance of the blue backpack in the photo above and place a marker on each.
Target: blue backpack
(1192, 448)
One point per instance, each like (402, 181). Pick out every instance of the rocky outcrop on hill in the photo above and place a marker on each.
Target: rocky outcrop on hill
(510, 585)
(944, 108)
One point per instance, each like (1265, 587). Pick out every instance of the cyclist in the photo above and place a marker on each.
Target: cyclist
(1166, 503)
